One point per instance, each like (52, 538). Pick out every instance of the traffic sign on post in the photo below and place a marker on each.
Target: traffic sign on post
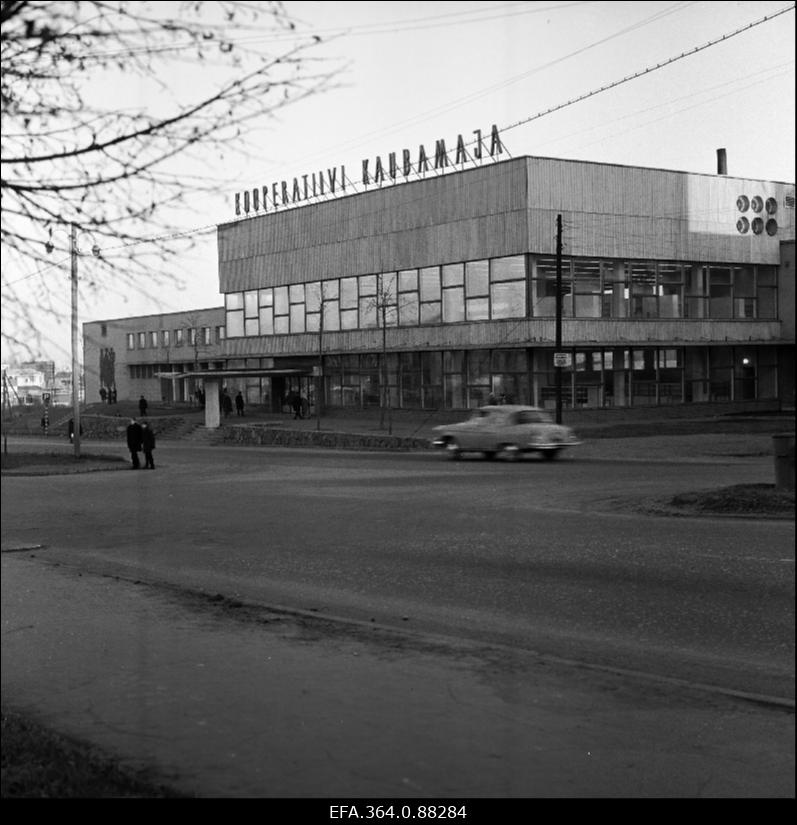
(46, 398)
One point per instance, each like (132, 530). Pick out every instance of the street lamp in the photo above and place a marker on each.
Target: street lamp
(73, 254)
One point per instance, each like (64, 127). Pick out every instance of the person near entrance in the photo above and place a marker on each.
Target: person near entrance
(142, 406)
(134, 437)
(239, 403)
(147, 445)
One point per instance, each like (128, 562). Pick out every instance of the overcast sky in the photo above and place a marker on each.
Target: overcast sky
(416, 72)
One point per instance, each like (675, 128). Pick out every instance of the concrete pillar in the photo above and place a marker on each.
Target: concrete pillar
(212, 395)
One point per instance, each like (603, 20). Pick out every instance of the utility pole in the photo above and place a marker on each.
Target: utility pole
(75, 366)
(320, 377)
(558, 345)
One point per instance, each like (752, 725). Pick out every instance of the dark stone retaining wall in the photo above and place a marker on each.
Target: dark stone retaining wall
(263, 434)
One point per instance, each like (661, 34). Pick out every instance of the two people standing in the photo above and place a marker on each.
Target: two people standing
(140, 438)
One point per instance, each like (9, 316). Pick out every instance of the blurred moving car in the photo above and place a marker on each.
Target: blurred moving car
(505, 431)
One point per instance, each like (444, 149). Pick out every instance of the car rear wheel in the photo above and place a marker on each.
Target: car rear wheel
(509, 452)
(550, 455)
(453, 450)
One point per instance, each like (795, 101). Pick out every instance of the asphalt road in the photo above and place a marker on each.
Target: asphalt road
(548, 556)
(550, 598)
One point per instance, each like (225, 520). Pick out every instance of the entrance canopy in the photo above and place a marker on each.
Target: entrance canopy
(214, 380)
(254, 372)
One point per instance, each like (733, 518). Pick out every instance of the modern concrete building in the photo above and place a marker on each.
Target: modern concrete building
(676, 288)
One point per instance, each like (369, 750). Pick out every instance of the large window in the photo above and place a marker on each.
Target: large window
(453, 284)
(477, 291)
(408, 305)
(498, 288)
(508, 287)
(234, 315)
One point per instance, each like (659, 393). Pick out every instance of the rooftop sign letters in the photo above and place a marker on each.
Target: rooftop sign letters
(398, 169)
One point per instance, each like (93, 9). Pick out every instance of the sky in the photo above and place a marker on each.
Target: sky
(415, 72)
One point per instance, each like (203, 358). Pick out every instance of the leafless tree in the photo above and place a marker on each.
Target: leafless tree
(113, 115)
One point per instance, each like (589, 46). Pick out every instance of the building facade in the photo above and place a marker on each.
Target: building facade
(152, 355)
(443, 290)
(676, 288)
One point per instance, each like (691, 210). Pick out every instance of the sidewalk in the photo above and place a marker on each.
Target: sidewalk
(221, 704)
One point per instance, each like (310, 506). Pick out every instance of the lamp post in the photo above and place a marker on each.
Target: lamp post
(73, 256)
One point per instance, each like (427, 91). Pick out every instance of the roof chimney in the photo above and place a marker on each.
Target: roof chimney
(722, 162)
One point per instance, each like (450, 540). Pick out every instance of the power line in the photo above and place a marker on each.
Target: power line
(650, 69)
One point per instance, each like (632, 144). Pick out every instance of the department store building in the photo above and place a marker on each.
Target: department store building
(676, 288)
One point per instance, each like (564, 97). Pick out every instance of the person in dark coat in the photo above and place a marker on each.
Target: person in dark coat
(239, 403)
(142, 406)
(226, 403)
(147, 445)
(295, 400)
(70, 430)
(134, 436)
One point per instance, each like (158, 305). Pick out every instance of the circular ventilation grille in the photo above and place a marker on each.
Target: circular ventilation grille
(772, 227)
(757, 204)
(758, 225)
(742, 203)
(743, 225)
(772, 206)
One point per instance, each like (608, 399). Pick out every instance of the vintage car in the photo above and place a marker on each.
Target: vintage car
(504, 431)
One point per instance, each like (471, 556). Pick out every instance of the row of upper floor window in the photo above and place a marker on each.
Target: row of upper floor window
(185, 336)
(519, 286)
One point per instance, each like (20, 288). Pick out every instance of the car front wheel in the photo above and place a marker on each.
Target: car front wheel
(509, 452)
(453, 450)
(550, 455)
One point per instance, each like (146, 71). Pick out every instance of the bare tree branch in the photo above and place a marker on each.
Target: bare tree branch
(79, 147)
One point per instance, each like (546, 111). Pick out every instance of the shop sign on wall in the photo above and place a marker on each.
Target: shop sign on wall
(398, 168)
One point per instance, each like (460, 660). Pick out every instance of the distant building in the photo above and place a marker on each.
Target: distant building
(152, 355)
(47, 368)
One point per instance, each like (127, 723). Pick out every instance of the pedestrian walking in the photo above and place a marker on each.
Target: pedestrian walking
(147, 445)
(134, 436)
(239, 403)
(103, 394)
(70, 430)
(295, 400)
(142, 406)
(226, 403)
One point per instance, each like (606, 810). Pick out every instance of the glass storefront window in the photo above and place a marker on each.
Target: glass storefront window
(512, 268)
(644, 303)
(477, 309)
(453, 305)
(234, 322)
(508, 299)
(297, 318)
(431, 312)
(368, 312)
(543, 296)
(587, 288)
(266, 321)
(408, 309)
(367, 285)
(453, 275)
(234, 300)
(720, 305)
(429, 283)
(348, 293)
(331, 315)
(476, 278)
(281, 300)
(408, 280)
